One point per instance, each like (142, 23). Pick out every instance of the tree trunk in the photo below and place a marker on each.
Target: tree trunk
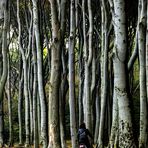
(97, 106)
(120, 80)
(104, 75)
(147, 53)
(114, 128)
(20, 101)
(9, 104)
(35, 117)
(64, 81)
(88, 61)
(3, 77)
(54, 135)
(72, 99)
(81, 79)
(143, 95)
(25, 69)
(40, 75)
(87, 68)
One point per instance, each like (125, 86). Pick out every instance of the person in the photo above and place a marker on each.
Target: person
(83, 134)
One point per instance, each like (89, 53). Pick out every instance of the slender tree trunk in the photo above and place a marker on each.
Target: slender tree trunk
(64, 82)
(72, 99)
(120, 85)
(9, 105)
(87, 68)
(62, 101)
(93, 86)
(54, 135)
(104, 81)
(25, 69)
(20, 102)
(63, 92)
(3, 77)
(39, 116)
(40, 76)
(85, 57)
(88, 61)
(147, 53)
(97, 103)
(134, 54)
(143, 95)
(81, 79)
(35, 117)
(30, 99)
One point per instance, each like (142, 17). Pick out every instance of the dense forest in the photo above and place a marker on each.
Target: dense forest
(65, 62)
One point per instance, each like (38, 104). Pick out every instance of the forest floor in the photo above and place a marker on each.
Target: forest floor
(68, 143)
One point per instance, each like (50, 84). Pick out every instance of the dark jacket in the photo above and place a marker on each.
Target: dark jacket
(83, 137)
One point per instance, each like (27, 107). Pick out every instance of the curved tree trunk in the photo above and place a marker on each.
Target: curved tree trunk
(3, 77)
(142, 59)
(120, 85)
(40, 75)
(25, 69)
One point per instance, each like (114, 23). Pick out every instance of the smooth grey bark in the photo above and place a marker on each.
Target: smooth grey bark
(104, 73)
(25, 69)
(85, 57)
(93, 86)
(88, 64)
(39, 115)
(40, 75)
(20, 101)
(53, 116)
(3, 77)
(64, 81)
(9, 104)
(114, 128)
(134, 54)
(97, 106)
(120, 85)
(72, 99)
(30, 99)
(1, 63)
(142, 76)
(35, 117)
(88, 60)
(147, 53)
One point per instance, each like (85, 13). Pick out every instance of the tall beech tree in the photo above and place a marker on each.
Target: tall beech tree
(72, 100)
(120, 80)
(4, 73)
(40, 74)
(53, 115)
(142, 76)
